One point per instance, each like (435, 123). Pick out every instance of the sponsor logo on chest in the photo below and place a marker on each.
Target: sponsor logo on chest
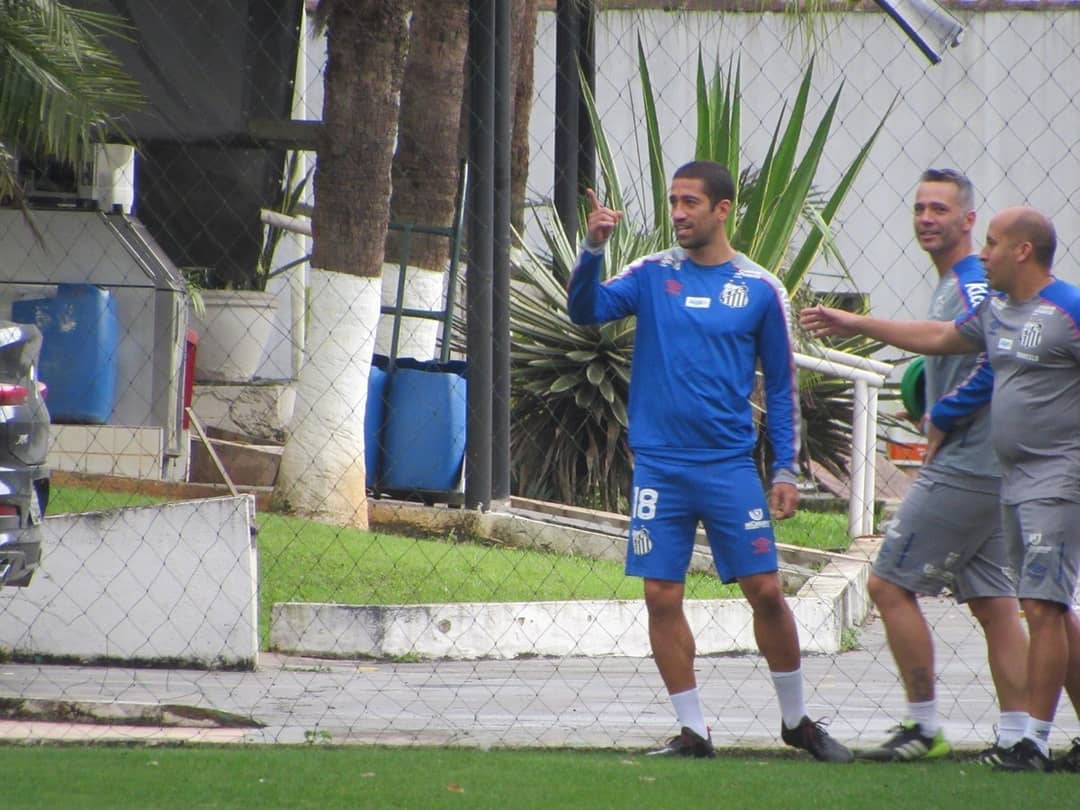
(733, 295)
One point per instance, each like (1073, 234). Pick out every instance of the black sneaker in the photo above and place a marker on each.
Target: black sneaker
(687, 743)
(992, 756)
(811, 736)
(908, 743)
(1024, 756)
(1070, 763)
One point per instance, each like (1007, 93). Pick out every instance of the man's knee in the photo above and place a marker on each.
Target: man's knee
(1040, 612)
(995, 610)
(763, 592)
(663, 597)
(885, 594)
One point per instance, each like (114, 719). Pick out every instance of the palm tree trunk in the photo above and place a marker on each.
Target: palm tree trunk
(522, 49)
(322, 468)
(427, 162)
(426, 170)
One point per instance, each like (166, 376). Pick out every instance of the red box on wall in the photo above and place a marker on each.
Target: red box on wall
(191, 345)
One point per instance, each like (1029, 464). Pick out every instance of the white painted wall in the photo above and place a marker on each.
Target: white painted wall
(176, 581)
(1002, 107)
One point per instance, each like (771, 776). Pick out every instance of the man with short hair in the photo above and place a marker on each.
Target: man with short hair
(706, 317)
(947, 532)
(1031, 335)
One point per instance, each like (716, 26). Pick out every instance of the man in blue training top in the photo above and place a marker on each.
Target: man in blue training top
(707, 316)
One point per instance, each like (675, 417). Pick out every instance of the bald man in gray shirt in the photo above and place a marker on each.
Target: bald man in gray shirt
(1031, 335)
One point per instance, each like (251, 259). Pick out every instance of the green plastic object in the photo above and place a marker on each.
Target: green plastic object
(913, 389)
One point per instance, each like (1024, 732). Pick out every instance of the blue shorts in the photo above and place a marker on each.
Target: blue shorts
(669, 499)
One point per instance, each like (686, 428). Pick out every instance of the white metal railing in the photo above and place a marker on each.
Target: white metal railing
(869, 376)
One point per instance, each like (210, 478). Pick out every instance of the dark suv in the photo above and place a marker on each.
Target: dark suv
(24, 447)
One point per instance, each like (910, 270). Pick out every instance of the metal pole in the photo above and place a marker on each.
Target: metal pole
(480, 254)
(870, 471)
(586, 170)
(859, 432)
(567, 110)
(500, 415)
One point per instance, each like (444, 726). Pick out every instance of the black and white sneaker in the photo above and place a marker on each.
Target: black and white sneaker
(1024, 756)
(1070, 762)
(908, 743)
(811, 736)
(991, 757)
(687, 743)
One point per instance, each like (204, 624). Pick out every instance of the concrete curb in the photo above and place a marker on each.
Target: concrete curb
(830, 597)
(120, 713)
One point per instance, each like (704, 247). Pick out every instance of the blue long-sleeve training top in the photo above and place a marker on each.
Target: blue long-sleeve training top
(700, 334)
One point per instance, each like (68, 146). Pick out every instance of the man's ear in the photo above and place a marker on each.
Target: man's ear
(723, 208)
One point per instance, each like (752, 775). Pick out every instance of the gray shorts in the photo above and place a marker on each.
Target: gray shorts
(1044, 540)
(947, 538)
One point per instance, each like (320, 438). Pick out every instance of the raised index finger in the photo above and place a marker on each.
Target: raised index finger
(594, 201)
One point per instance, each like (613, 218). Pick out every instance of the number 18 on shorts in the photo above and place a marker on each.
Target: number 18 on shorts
(670, 499)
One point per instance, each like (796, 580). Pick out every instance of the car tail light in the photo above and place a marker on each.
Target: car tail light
(12, 394)
(8, 510)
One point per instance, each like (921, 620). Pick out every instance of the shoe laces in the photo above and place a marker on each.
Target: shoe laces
(904, 725)
(817, 727)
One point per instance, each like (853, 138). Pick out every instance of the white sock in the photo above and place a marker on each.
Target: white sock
(1010, 728)
(688, 710)
(1038, 731)
(789, 691)
(925, 714)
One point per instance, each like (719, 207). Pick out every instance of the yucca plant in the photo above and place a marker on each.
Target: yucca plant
(570, 383)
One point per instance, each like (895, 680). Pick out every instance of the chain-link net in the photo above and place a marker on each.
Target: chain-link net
(279, 547)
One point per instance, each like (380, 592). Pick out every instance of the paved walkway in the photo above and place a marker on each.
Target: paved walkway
(573, 702)
(558, 702)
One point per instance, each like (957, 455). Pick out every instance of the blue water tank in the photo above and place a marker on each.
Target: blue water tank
(424, 429)
(373, 420)
(80, 335)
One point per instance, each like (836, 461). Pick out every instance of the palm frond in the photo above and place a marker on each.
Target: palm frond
(60, 86)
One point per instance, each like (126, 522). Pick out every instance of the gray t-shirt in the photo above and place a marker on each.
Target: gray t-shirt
(966, 459)
(1034, 349)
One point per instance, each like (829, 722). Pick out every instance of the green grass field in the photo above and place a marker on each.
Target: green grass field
(265, 778)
